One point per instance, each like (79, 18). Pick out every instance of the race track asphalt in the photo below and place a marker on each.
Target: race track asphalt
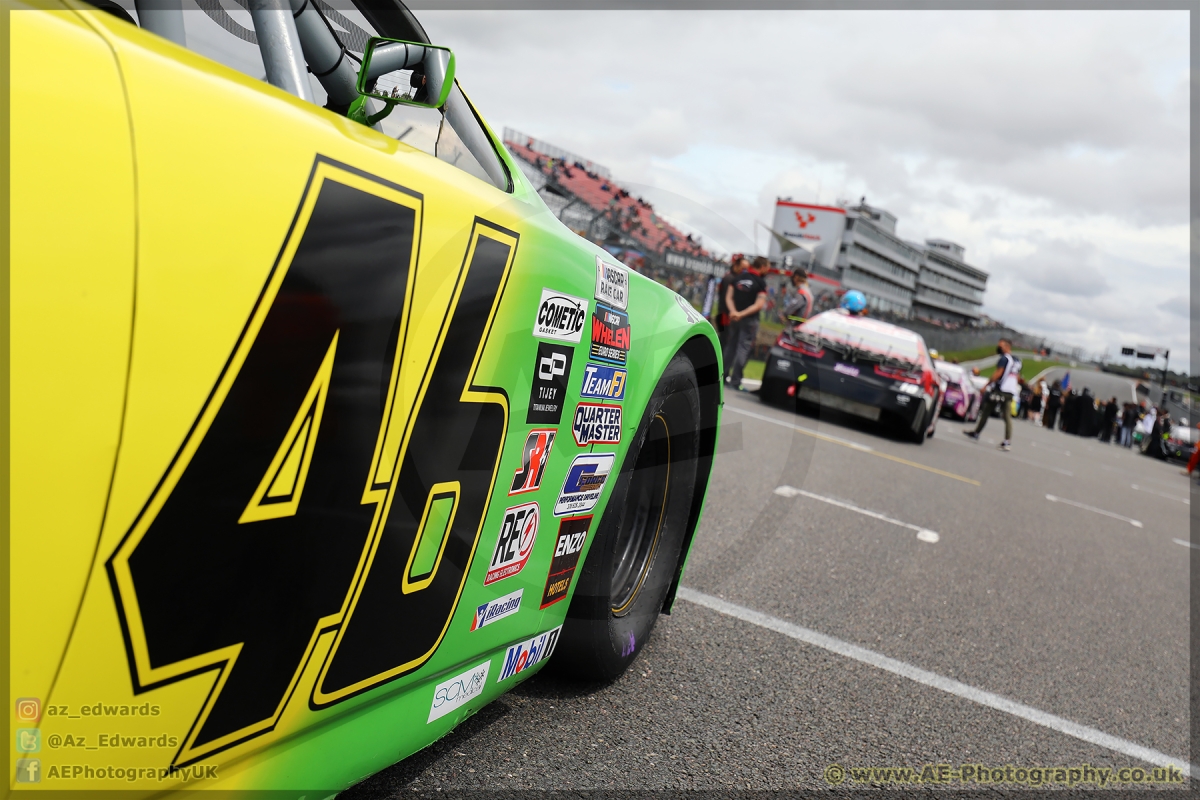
(1033, 632)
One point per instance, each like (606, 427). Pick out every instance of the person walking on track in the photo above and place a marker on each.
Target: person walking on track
(1005, 384)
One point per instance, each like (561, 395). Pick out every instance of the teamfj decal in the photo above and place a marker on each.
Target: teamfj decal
(560, 316)
(524, 655)
(584, 483)
(612, 284)
(572, 533)
(610, 335)
(596, 423)
(551, 371)
(496, 609)
(458, 691)
(515, 542)
(603, 382)
(533, 460)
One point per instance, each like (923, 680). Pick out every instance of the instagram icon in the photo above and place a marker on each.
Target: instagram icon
(28, 709)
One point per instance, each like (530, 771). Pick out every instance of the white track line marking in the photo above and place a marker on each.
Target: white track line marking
(1186, 544)
(1183, 500)
(924, 534)
(1010, 457)
(931, 679)
(1086, 507)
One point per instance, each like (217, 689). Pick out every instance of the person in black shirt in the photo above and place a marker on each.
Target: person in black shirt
(744, 297)
(1053, 402)
(737, 266)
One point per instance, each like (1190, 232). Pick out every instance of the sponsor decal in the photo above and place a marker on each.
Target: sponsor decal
(693, 316)
(584, 483)
(496, 609)
(551, 371)
(572, 534)
(458, 691)
(596, 423)
(533, 460)
(524, 655)
(610, 335)
(515, 542)
(560, 316)
(846, 369)
(603, 382)
(612, 284)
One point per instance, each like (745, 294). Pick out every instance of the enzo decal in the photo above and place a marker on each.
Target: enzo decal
(515, 542)
(560, 316)
(293, 484)
(533, 460)
(603, 382)
(496, 609)
(524, 655)
(610, 335)
(572, 534)
(596, 423)
(584, 483)
(612, 284)
(458, 691)
(551, 372)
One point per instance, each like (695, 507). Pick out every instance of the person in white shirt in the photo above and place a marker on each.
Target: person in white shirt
(1004, 386)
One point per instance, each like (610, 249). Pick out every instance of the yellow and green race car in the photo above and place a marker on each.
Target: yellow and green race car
(324, 431)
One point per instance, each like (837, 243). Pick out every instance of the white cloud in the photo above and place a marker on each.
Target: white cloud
(1053, 145)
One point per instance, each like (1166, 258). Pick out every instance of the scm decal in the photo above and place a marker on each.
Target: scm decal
(299, 502)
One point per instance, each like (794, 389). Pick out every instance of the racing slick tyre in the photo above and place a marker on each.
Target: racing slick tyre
(633, 560)
(918, 436)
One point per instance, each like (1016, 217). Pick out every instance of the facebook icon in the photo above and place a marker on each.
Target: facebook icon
(29, 770)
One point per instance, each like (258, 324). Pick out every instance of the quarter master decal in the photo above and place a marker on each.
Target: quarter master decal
(560, 316)
(610, 335)
(524, 655)
(515, 542)
(572, 533)
(551, 372)
(533, 460)
(584, 483)
(596, 423)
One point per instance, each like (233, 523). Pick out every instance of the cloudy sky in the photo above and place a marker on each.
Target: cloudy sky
(1052, 145)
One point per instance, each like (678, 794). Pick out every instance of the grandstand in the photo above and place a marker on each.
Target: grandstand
(586, 198)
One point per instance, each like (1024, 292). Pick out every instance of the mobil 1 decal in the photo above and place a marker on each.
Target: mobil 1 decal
(523, 655)
(536, 453)
(572, 533)
(560, 316)
(551, 371)
(610, 335)
(612, 284)
(602, 382)
(305, 508)
(596, 423)
(518, 532)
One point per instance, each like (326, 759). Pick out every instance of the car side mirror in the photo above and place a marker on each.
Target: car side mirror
(395, 72)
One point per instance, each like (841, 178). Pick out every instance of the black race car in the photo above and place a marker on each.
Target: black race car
(856, 365)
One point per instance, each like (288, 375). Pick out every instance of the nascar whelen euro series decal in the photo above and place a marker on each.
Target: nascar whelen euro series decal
(610, 335)
(584, 484)
(518, 532)
(596, 423)
(572, 534)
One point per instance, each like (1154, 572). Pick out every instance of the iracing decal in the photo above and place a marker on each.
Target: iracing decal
(515, 542)
(603, 382)
(584, 483)
(496, 609)
(610, 335)
(457, 691)
(521, 657)
(533, 460)
(572, 533)
(551, 371)
(596, 423)
(612, 284)
(560, 316)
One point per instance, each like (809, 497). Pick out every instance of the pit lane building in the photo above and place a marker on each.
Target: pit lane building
(858, 247)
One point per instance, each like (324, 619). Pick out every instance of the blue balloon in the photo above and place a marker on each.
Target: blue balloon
(854, 301)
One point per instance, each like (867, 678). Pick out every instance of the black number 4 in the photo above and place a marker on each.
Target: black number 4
(295, 500)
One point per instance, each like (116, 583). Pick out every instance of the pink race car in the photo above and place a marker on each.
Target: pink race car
(963, 400)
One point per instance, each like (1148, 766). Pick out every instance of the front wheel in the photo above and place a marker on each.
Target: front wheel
(634, 557)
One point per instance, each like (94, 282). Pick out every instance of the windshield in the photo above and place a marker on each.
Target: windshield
(863, 333)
